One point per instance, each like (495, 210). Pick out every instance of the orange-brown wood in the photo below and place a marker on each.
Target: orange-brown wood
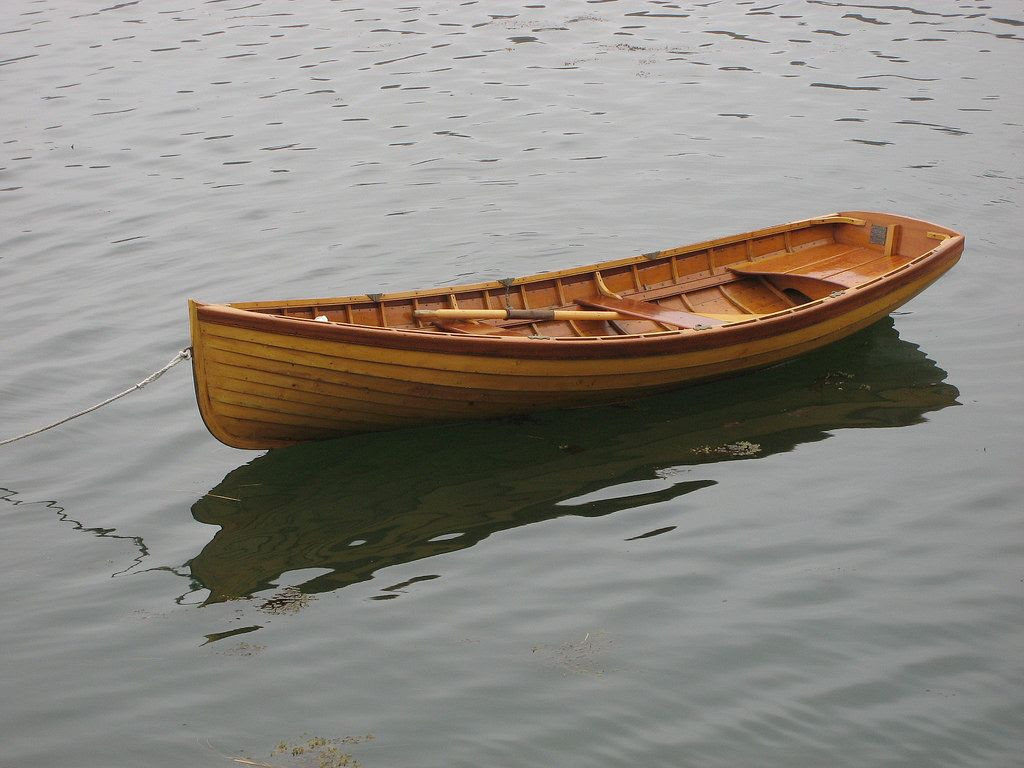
(473, 327)
(645, 310)
(277, 372)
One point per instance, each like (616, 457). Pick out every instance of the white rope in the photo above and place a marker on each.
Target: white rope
(184, 354)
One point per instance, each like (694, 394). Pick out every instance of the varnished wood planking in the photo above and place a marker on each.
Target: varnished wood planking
(338, 419)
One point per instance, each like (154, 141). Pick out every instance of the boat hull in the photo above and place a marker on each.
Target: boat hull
(265, 380)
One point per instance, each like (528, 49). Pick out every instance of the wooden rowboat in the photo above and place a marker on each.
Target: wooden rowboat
(274, 373)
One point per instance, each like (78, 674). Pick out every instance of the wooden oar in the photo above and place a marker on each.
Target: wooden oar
(517, 314)
(548, 314)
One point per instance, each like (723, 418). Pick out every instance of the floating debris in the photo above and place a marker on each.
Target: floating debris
(288, 600)
(837, 379)
(319, 752)
(739, 448)
(579, 657)
(243, 649)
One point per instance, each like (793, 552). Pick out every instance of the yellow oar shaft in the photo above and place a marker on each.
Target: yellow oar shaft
(517, 314)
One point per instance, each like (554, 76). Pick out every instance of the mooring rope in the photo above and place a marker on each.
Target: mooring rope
(184, 354)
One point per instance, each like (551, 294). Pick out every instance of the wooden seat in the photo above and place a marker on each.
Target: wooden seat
(837, 266)
(797, 279)
(645, 310)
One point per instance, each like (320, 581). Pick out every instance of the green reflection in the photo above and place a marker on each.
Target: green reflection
(360, 504)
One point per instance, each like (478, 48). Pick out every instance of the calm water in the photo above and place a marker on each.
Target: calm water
(822, 563)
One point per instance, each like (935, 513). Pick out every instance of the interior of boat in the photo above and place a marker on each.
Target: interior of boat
(730, 280)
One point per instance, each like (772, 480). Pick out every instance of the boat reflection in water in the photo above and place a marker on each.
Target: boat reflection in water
(360, 504)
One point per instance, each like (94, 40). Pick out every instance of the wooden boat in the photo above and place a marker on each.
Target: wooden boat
(273, 373)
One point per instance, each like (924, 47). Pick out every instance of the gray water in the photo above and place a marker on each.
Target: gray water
(819, 564)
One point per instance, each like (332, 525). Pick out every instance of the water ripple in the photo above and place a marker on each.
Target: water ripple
(698, 580)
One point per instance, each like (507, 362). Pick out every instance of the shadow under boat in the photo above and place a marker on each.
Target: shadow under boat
(360, 504)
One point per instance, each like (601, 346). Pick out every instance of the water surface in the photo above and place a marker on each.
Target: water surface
(817, 563)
